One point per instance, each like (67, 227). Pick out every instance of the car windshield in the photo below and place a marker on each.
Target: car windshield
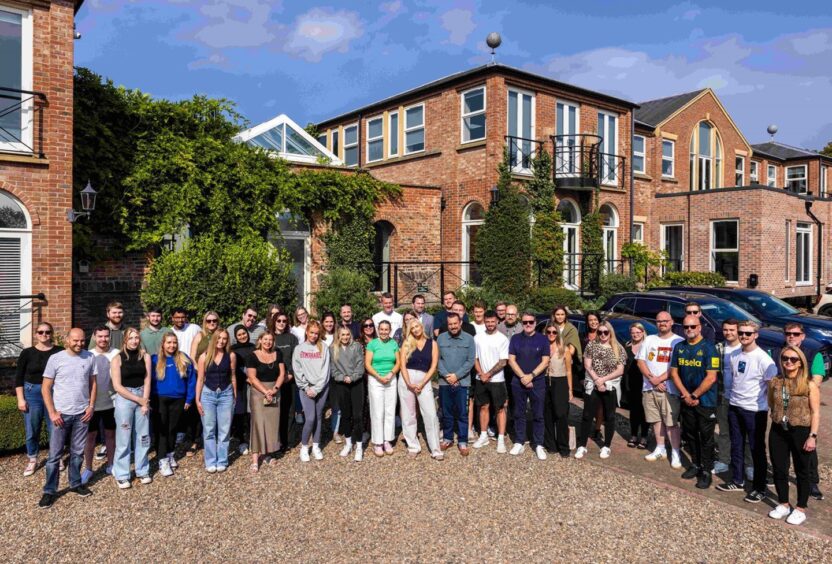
(720, 310)
(771, 305)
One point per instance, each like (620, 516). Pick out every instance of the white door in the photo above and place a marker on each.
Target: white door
(520, 130)
(567, 151)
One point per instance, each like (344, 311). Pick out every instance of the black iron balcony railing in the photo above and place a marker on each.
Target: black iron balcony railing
(521, 153)
(577, 160)
(611, 170)
(21, 122)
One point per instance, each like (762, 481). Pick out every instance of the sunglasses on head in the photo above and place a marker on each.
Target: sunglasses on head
(786, 359)
(745, 333)
(793, 333)
(690, 326)
(603, 332)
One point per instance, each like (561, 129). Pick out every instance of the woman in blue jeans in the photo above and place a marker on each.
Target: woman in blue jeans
(216, 393)
(130, 377)
(30, 365)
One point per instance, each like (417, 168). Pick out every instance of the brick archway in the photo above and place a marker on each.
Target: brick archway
(24, 199)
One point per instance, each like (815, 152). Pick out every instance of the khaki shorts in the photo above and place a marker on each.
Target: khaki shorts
(661, 406)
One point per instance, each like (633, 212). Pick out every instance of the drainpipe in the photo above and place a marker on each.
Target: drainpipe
(632, 185)
(819, 223)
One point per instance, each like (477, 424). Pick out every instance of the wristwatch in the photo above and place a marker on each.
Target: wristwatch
(813, 436)
(694, 396)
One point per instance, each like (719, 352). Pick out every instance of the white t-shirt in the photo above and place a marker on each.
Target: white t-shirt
(491, 349)
(186, 336)
(479, 328)
(656, 352)
(395, 319)
(299, 331)
(105, 394)
(750, 373)
(71, 374)
(727, 352)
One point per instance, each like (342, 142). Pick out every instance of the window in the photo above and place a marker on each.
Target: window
(295, 237)
(472, 219)
(627, 305)
(567, 144)
(788, 246)
(824, 170)
(803, 268)
(351, 145)
(393, 143)
(16, 280)
(322, 139)
(16, 123)
(754, 175)
(335, 144)
(521, 130)
(473, 114)
(725, 251)
(375, 139)
(705, 158)
(608, 131)
(570, 217)
(772, 176)
(638, 232)
(414, 129)
(796, 179)
(740, 171)
(381, 255)
(668, 157)
(609, 218)
(638, 154)
(671, 244)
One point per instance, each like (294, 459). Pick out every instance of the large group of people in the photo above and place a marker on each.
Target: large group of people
(195, 385)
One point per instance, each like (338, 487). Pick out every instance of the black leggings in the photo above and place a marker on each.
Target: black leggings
(351, 403)
(638, 422)
(287, 414)
(609, 400)
(783, 445)
(168, 412)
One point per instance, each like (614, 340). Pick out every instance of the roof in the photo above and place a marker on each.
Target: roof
(493, 68)
(654, 112)
(782, 152)
(288, 140)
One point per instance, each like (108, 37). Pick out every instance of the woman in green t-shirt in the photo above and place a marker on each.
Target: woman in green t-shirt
(382, 363)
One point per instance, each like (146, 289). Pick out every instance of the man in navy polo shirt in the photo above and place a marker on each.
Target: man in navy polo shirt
(528, 357)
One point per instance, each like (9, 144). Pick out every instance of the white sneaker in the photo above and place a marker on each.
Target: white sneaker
(316, 452)
(172, 461)
(605, 452)
(720, 467)
(501, 446)
(780, 511)
(482, 441)
(490, 432)
(102, 453)
(541, 453)
(517, 449)
(123, 484)
(675, 461)
(345, 451)
(164, 467)
(211, 469)
(31, 466)
(146, 480)
(85, 476)
(359, 453)
(243, 448)
(656, 455)
(580, 452)
(796, 517)
(304, 454)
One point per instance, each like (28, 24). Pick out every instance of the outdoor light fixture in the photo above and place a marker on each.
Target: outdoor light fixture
(495, 195)
(87, 204)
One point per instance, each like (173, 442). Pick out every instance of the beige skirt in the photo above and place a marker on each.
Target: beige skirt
(265, 420)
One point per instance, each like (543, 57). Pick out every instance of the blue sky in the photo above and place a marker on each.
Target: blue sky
(769, 62)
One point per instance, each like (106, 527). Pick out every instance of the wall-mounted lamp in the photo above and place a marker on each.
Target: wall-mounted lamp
(495, 195)
(87, 204)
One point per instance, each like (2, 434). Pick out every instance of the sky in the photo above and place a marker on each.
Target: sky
(769, 62)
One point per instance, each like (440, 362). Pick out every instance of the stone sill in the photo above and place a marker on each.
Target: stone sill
(405, 158)
(471, 145)
(25, 159)
(640, 176)
(669, 180)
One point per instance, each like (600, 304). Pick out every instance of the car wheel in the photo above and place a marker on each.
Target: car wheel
(826, 310)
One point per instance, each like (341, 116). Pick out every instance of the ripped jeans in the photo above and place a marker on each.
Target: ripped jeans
(129, 423)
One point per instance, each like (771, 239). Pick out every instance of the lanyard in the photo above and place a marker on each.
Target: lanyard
(785, 396)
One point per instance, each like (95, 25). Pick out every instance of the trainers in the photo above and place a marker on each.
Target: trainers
(541, 453)
(675, 461)
(703, 482)
(730, 487)
(378, 450)
(46, 501)
(720, 467)
(359, 453)
(81, 491)
(102, 453)
(517, 449)
(222, 468)
(211, 469)
(482, 441)
(755, 497)
(580, 452)
(345, 452)
(815, 492)
(656, 455)
(780, 511)
(796, 517)
(123, 484)
(145, 480)
(463, 449)
(501, 446)
(316, 452)
(445, 445)
(164, 467)
(243, 448)
(605, 452)
(490, 432)
(304, 454)
(31, 466)
(691, 473)
(85, 476)
(437, 455)
(172, 460)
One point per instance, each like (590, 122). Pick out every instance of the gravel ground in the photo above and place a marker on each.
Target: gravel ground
(487, 507)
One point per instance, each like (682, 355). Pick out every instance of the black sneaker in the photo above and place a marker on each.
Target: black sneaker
(82, 491)
(46, 501)
(815, 492)
(755, 497)
(703, 482)
(730, 487)
(691, 473)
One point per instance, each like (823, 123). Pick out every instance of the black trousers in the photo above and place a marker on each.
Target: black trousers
(287, 414)
(698, 425)
(638, 422)
(814, 477)
(168, 412)
(351, 398)
(781, 445)
(240, 427)
(609, 400)
(556, 415)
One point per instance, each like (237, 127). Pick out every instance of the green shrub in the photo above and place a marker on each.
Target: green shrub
(688, 279)
(12, 434)
(345, 286)
(614, 283)
(471, 294)
(544, 298)
(222, 275)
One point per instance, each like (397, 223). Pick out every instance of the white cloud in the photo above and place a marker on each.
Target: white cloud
(391, 8)
(459, 24)
(236, 23)
(322, 30)
(813, 43)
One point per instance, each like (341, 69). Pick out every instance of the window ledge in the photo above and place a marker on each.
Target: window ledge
(471, 145)
(612, 188)
(404, 158)
(642, 176)
(670, 180)
(9, 158)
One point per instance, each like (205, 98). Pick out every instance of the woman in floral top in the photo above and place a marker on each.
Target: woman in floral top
(604, 361)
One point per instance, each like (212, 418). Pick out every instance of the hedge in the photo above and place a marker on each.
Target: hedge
(612, 284)
(688, 279)
(12, 434)
(543, 299)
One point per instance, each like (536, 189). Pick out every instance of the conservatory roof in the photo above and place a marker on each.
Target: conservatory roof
(287, 140)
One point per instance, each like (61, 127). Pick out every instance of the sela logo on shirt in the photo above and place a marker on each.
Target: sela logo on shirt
(690, 362)
(741, 366)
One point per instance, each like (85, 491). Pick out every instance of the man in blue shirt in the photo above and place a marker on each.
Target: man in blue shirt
(457, 353)
(528, 357)
(693, 368)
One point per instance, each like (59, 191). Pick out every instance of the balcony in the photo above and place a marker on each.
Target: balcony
(21, 122)
(521, 153)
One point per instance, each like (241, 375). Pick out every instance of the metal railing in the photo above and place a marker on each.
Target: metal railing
(521, 153)
(21, 121)
(405, 279)
(611, 171)
(10, 321)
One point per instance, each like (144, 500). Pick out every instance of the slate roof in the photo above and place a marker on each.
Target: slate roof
(653, 112)
(782, 152)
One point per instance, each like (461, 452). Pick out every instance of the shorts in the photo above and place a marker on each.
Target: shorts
(661, 407)
(490, 393)
(106, 417)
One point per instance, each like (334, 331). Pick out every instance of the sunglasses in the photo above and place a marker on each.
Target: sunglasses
(552, 332)
(792, 359)
(690, 326)
(692, 311)
(745, 333)
(664, 321)
(603, 332)
(282, 321)
(368, 326)
(793, 333)
(44, 332)
(212, 321)
(528, 322)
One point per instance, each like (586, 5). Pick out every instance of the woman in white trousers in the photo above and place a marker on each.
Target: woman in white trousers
(418, 359)
(381, 360)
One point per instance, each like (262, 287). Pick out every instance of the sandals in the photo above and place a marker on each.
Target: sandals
(191, 450)
(633, 442)
(642, 444)
(254, 467)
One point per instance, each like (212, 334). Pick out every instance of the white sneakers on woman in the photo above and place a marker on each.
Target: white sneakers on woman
(345, 451)
(580, 452)
(359, 453)
(316, 452)
(605, 452)
(304, 453)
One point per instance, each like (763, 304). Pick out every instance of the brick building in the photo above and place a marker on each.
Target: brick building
(36, 85)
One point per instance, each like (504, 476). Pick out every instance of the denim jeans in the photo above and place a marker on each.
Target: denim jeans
(76, 431)
(33, 417)
(454, 402)
(218, 407)
(131, 423)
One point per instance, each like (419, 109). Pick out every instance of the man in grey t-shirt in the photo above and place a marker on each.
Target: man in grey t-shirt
(69, 389)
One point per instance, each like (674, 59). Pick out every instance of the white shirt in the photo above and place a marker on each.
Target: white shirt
(656, 352)
(491, 349)
(479, 328)
(750, 373)
(395, 319)
(186, 336)
(727, 352)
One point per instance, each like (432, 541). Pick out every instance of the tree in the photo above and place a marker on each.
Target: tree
(341, 286)
(547, 235)
(592, 248)
(503, 242)
(827, 150)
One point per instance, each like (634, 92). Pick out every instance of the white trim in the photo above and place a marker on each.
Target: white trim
(713, 250)
(823, 182)
(804, 178)
(532, 123)
(465, 271)
(252, 132)
(463, 116)
(24, 235)
(788, 247)
(771, 179)
(345, 146)
(377, 139)
(754, 172)
(739, 170)
(640, 238)
(609, 151)
(663, 240)
(671, 158)
(565, 166)
(803, 229)
(393, 135)
(611, 229)
(27, 117)
(642, 154)
(416, 128)
(570, 263)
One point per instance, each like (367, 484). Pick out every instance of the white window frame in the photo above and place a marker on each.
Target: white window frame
(638, 232)
(466, 241)
(351, 145)
(336, 143)
(27, 116)
(642, 154)
(662, 240)
(571, 261)
(610, 237)
(393, 135)
(323, 138)
(788, 247)
(611, 152)
(771, 176)
(415, 128)
(671, 158)
(377, 139)
(519, 169)
(739, 170)
(714, 250)
(754, 173)
(804, 232)
(568, 153)
(822, 184)
(464, 116)
(804, 178)
(24, 235)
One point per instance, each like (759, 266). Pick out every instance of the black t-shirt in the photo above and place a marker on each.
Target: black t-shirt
(266, 372)
(133, 370)
(286, 343)
(31, 364)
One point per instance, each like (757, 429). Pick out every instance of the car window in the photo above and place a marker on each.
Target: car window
(627, 305)
(677, 311)
(771, 305)
(740, 301)
(650, 307)
(720, 310)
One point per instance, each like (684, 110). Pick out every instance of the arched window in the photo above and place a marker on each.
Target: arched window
(570, 217)
(705, 157)
(15, 276)
(609, 217)
(381, 254)
(473, 216)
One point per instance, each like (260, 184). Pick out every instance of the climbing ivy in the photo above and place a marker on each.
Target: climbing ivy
(547, 234)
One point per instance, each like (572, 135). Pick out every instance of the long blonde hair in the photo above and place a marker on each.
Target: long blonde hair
(315, 323)
(616, 348)
(409, 342)
(204, 323)
(127, 333)
(337, 347)
(212, 345)
(180, 359)
(797, 387)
